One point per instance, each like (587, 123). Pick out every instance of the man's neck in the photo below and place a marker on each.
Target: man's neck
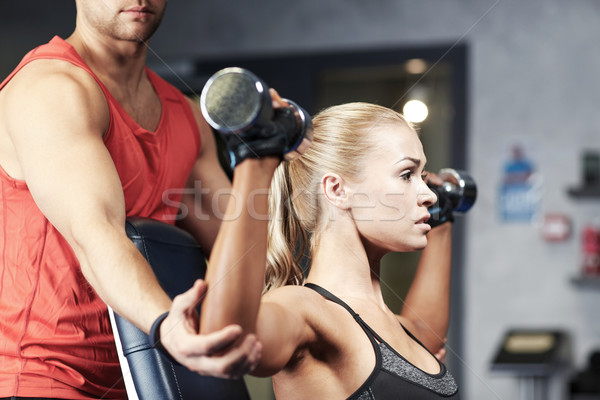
(116, 62)
(120, 67)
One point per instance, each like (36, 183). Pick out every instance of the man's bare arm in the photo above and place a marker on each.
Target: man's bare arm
(208, 190)
(56, 116)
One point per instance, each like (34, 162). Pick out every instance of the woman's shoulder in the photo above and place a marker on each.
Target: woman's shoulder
(315, 310)
(304, 302)
(295, 294)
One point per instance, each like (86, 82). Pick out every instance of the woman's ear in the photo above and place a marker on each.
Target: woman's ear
(335, 191)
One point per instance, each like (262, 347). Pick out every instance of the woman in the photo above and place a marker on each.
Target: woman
(359, 192)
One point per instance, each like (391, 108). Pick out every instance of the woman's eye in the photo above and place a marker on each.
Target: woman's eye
(407, 175)
(424, 176)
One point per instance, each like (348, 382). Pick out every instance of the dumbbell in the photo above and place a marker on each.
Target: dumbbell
(456, 194)
(234, 101)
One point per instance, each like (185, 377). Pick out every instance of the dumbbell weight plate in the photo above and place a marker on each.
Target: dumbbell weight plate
(235, 99)
(460, 187)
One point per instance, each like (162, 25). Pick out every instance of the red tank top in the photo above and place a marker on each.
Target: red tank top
(55, 334)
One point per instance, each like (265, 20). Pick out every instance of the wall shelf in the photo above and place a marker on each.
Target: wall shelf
(586, 192)
(586, 281)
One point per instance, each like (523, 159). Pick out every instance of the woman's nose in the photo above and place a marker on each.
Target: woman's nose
(427, 197)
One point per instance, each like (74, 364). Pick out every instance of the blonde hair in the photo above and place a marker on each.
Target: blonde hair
(341, 144)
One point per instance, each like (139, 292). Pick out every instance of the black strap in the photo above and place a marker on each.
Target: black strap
(330, 296)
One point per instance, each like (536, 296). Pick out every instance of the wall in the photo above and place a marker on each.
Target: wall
(533, 74)
(28, 23)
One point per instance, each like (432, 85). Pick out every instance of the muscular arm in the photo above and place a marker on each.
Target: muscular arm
(56, 116)
(427, 305)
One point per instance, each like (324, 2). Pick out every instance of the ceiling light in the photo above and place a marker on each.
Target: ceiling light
(415, 111)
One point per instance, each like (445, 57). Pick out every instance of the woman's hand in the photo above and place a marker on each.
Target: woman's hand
(441, 353)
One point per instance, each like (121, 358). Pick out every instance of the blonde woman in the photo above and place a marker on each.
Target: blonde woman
(359, 192)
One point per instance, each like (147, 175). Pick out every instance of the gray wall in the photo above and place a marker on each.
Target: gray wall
(533, 75)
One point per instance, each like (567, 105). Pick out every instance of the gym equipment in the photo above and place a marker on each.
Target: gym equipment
(237, 104)
(534, 357)
(457, 194)
(177, 262)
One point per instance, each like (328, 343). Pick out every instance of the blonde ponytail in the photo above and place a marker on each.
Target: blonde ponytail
(288, 241)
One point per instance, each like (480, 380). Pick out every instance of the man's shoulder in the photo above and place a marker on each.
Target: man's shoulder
(48, 75)
(57, 90)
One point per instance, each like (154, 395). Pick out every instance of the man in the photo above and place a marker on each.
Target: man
(89, 136)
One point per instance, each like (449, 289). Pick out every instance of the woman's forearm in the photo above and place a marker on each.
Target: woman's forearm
(427, 303)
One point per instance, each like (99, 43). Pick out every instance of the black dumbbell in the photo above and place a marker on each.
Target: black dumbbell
(456, 194)
(234, 101)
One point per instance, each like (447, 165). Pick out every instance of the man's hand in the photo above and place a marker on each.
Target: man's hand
(211, 354)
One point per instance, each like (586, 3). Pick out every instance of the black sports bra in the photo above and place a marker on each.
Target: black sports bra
(394, 377)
